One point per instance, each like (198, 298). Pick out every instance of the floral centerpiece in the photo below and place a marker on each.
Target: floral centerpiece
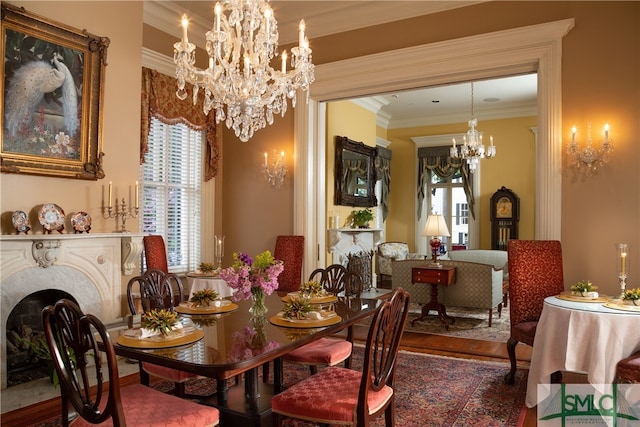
(296, 308)
(161, 321)
(311, 289)
(584, 289)
(206, 267)
(203, 298)
(253, 278)
(632, 297)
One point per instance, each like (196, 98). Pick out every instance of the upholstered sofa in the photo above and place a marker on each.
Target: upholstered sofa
(476, 286)
(389, 251)
(487, 256)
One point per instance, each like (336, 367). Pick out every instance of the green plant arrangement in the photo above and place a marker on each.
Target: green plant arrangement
(203, 298)
(311, 288)
(206, 267)
(633, 296)
(40, 349)
(362, 217)
(162, 321)
(296, 308)
(583, 286)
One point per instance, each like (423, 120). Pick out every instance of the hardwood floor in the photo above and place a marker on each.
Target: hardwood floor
(411, 341)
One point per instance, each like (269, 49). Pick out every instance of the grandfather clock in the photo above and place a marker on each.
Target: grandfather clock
(505, 214)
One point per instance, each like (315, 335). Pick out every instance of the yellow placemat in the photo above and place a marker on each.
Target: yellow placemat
(623, 307)
(280, 321)
(160, 342)
(574, 298)
(185, 308)
(315, 300)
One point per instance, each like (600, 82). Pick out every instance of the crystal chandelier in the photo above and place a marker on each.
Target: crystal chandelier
(239, 83)
(589, 159)
(472, 149)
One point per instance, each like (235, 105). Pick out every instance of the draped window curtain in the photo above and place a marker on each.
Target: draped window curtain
(159, 100)
(383, 172)
(438, 161)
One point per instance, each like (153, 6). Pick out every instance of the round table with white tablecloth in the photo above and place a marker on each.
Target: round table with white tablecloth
(587, 337)
(198, 282)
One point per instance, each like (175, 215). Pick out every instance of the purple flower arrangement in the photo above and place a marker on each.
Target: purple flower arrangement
(252, 276)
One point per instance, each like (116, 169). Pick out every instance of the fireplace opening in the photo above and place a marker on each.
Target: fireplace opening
(27, 352)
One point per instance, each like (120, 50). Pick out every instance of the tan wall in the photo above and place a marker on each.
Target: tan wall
(513, 167)
(600, 78)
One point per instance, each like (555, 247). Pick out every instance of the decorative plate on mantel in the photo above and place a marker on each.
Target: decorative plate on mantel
(51, 216)
(21, 222)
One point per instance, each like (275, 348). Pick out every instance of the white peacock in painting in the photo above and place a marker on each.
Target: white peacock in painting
(42, 97)
(27, 89)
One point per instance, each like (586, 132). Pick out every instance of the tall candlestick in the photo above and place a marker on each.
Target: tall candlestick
(137, 193)
(110, 193)
(185, 24)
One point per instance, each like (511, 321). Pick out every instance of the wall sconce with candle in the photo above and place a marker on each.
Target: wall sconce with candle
(276, 170)
(589, 159)
(123, 211)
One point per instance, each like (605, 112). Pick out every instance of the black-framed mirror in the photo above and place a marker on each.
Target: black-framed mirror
(355, 173)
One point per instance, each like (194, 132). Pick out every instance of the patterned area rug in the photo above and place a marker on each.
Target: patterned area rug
(432, 391)
(469, 323)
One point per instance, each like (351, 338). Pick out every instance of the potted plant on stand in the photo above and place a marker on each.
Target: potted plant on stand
(362, 218)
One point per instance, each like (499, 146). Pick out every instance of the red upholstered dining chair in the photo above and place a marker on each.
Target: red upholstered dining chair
(155, 253)
(347, 397)
(290, 249)
(535, 272)
(326, 351)
(155, 289)
(628, 369)
(73, 338)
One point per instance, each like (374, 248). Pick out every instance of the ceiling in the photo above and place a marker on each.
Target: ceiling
(513, 96)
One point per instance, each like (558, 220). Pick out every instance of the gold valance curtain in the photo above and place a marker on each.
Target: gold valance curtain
(159, 100)
(383, 172)
(437, 159)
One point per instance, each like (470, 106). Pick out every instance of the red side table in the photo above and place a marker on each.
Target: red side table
(434, 276)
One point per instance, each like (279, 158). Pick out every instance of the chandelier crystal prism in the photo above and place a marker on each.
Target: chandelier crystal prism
(472, 149)
(240, 85)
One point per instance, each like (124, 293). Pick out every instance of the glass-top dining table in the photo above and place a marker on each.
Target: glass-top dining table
(227, 341)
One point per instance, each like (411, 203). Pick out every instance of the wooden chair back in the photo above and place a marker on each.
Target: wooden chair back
(72, 339)
(381, 351)
(331, 278)
(156, 290)
(155, 253)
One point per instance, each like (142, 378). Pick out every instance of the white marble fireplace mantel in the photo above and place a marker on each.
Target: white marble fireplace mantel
(343, 241)
(89, 267)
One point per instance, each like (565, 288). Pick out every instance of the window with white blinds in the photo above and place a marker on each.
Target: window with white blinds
(171, 185)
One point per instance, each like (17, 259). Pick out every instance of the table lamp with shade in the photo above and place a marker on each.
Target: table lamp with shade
(436, 227)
